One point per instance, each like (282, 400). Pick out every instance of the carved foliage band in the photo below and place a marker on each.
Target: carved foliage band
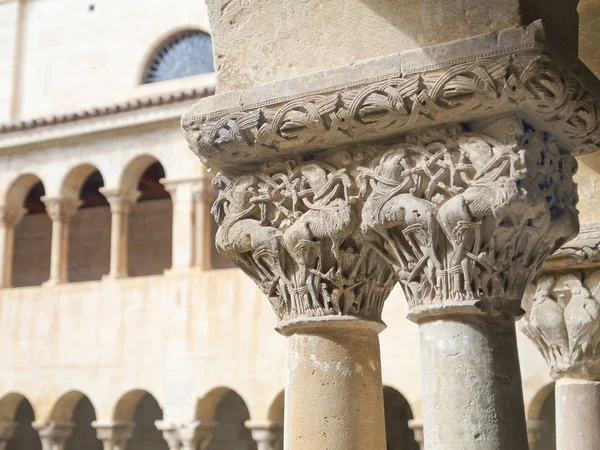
(527, 81)
(563, 321)
(457, 217)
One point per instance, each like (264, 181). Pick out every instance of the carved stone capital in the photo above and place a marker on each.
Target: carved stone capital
(114, 434)
(187, 436)
(563, 321)
(120, 201)
(267, 434)
(293, 226)
(61, 209)
(11, 215)
(464, 218)
(54, 434)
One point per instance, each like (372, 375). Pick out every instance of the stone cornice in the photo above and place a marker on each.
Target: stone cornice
(583, 252)
(45, 130)
(506, 72)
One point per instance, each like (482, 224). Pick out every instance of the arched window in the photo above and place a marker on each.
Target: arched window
(185, 54)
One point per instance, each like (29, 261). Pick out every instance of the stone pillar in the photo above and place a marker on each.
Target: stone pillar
(447, 169)
(7, 430)
(267, 434)
(114, 434)
(120, 206)
(60, 211)
(187, 436)
(54, 434)
(203, 198)
(563, 321)
(416, 425)
(190, 215)
(10, 216)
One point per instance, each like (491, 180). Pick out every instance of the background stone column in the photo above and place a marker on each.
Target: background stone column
(10, 216)
(267, 434)
(191, 246)
(54, 434)
(60, 211)
(563, 321)
(187, 436)
(7, 430)
(534, 430)
(114, 434)
(120, 207)
(417, 426)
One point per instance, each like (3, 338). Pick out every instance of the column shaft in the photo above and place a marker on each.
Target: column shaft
(203, 241)
(7, 234)
(334, 393)
(577, 414)
(119, 234)
(472, 394)
(59, 252)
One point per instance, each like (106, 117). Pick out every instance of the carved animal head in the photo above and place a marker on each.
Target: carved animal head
(391, 163)
(544, 286)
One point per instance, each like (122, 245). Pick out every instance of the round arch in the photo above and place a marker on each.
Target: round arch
(65, 406)
(16, 408)
(226, 407)
(133, 171)
(141, 408)
(126, 405)
(19, 189)
(277, 408)
(9, 405)
(73, 182)
(160, 43)
(534, 411)
(397, 414)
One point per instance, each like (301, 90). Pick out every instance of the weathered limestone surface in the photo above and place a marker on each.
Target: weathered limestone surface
(334, 397)
(577, 414)
(447, 169)
(351, 31)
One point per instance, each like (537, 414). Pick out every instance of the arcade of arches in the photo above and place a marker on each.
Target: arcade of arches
(138, 420)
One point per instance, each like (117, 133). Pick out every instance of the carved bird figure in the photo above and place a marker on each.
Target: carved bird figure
(582, 316)
(546, 325)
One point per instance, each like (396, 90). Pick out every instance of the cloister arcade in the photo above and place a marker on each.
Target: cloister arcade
(75, 412)
(138, 209)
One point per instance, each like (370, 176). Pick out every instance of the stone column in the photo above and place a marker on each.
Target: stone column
(267, 434)
(54, 434)
(7, 430)
(416, 425)
(563, 321)
(10, 216)
(60, 211)
(190, 215)
(203, 198)
(114, 434)
(447, 169)
(187, 436)
(120, 205)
